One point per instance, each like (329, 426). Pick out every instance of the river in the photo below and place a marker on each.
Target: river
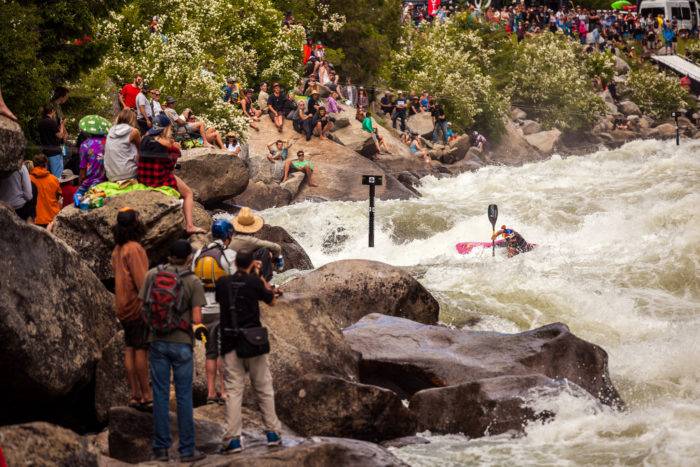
(618, 261)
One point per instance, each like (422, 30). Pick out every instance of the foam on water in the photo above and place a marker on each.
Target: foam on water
(618, 262)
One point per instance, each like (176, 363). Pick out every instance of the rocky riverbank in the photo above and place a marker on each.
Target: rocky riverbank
(359, 356)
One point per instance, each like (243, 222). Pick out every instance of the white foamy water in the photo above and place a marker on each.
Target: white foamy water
(618, 260)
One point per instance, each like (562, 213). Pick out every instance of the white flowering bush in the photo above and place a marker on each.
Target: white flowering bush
(551, 81)
(451, 65)
(656, 93)
(196, 46)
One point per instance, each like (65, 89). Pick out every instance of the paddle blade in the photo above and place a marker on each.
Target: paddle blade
(493, 214)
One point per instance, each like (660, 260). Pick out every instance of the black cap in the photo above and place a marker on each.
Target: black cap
(180, 249)
(126, 217)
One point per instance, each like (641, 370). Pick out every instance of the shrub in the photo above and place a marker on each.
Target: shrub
(656, 93)
(450, 63)
(551, 81)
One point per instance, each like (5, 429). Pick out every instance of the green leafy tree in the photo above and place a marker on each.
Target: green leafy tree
(45, 44)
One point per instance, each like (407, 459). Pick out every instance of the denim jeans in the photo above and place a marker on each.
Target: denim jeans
(399, 114)
(164, 356)
(440, 126)
(56, 165)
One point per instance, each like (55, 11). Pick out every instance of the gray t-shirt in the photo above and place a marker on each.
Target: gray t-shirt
(142, 100)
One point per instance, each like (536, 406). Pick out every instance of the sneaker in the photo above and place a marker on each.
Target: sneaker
(160, 455)
(273, 439)
(194, 457)
(232, 447)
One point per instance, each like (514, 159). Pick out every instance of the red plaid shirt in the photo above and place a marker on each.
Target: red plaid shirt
(158, 170)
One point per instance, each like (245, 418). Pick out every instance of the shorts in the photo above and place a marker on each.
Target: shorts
(212, 346)
(135, 334)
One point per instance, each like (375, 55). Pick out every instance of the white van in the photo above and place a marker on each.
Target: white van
(684, 11)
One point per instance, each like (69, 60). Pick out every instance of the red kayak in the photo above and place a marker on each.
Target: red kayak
(467, 247)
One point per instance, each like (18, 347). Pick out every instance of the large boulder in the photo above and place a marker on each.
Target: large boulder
(111, 386)
(512, 148)
(629, 108)
(517, 114)
(530, 127)
(12, 143)
(420, 123)
(330, 406)
(213, 174)
(545, 141)
(621, 66)
(90, 233)
(485, 407)
(663, 131)
(409, 356)
(44, 444)
(316, 451)
(131, 431)
(351, 289)
(337, 168)
(55, 315)
(294, 255)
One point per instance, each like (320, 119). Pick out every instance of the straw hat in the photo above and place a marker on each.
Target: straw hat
(67, 176)
(247, 222)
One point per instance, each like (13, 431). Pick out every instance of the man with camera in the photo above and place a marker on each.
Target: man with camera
(244, 345)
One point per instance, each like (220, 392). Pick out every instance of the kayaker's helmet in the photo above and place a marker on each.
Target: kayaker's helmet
(222, 229)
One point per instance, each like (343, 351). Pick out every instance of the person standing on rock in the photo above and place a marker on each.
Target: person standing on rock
(51, 135)
(172, 294)
(399, 111)
(263, 96)
(210, 264)
(238, 296)
(440, 123)
(130, 264)
(127, 95)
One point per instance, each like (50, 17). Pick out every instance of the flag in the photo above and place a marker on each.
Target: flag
(433, 6)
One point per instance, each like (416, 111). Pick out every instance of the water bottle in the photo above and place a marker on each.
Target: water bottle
(84, 204)
(279, 263)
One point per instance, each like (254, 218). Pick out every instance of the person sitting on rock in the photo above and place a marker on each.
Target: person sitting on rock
(515, 242)
(182, 128)
(299, 165)
(122, 148)
(210, 264)
(313, 103)
(301, 120)
(232, 144)
(276, 105)
(249, 111)
(263, 96)
(48, 199)
(414, 106)
(322, 123)
(367, 126)
(16, 192)
(238, 297)
(278, 150)
(159, 154)
(194, 126)
(332, 106)
(417, 149)
(68, 187)
(130, 264)
(92, 151)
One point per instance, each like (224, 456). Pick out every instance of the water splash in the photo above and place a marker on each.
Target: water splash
(618, 262)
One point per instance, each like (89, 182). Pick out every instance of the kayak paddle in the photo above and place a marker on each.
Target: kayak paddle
(493, 217)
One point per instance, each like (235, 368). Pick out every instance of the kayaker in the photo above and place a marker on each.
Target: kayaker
(515, 242)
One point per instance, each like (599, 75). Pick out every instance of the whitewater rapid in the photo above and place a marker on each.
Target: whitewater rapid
(618, 261)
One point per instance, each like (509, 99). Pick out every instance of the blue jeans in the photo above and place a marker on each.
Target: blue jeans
(56, 165)
(440, 126)
(163, 356)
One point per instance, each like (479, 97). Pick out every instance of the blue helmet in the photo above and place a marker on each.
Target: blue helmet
(221, 229)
